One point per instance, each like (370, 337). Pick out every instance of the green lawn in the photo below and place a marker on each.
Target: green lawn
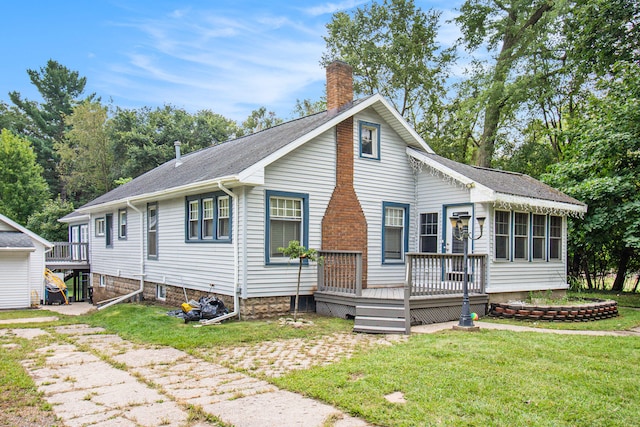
(492, 378)
(449, 378)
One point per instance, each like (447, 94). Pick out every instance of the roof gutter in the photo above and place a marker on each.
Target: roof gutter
(141, 274)
(160, 195)
(236, 262)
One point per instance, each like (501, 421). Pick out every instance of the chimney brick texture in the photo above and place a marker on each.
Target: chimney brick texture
(339, 85)
(344, 226)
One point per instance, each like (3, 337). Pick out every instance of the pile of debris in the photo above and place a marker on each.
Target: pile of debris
(205, 308)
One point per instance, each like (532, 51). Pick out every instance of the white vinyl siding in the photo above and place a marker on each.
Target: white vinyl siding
(14, 280)
(287, 174)
(390, 178)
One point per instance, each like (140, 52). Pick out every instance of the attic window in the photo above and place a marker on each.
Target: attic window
(369, 140)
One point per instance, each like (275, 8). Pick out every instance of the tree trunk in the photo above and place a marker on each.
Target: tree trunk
(635, 287)
(587, 274)
(497, 94)
(621, 274)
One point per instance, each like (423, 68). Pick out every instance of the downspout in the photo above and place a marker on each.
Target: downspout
(142, 274)
(236, 260)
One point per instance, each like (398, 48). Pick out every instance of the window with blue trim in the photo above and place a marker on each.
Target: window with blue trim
(208, 218)
(369, 140)
(122, 224)
(395, 232)
(108, 221)
(287, 219)
(152, 230)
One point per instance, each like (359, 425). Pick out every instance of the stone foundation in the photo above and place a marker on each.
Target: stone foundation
(265, 307)
(250, 308)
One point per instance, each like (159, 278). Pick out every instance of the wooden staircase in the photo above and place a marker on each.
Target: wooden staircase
(381, 318)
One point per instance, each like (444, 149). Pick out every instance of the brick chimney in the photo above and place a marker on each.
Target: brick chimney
(339, 85)
(344, 226)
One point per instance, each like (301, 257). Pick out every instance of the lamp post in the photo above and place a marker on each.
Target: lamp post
(460, 225)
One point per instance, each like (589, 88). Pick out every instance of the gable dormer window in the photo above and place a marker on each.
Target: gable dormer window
(369, 140)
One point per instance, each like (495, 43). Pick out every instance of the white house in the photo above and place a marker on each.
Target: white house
(22, 264)
(355, 182)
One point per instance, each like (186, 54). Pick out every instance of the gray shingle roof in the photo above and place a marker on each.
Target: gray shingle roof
(15, 239)
(226, 159)
(504, 182)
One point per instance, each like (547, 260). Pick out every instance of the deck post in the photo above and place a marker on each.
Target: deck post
(407, 294)
(359, 274)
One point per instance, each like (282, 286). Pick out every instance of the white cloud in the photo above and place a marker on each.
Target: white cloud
(330, 8)
(225, 63)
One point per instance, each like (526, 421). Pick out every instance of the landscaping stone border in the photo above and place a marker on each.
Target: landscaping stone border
(593, 309)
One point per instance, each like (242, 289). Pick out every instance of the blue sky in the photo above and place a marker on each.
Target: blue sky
(230, 57)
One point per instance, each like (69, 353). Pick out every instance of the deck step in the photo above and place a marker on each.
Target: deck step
(380, 319)
(378, 330)
(380, 311)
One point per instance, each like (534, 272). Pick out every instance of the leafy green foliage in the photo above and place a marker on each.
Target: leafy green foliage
(22, 188)
(296, 251)
(258, 120)
(144, 138)
(602, 169)
(393, 50)
(60, 88)
(86, 154)
(45, 222)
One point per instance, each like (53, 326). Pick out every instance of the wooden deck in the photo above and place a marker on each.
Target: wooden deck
(68, 256)
(432, 292)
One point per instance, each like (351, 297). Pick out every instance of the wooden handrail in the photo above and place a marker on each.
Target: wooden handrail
(340, 271)
(68, 252)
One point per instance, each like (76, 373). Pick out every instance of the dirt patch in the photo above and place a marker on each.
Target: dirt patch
(26, 413)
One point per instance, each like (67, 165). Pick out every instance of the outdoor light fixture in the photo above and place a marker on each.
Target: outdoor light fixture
(460, 226)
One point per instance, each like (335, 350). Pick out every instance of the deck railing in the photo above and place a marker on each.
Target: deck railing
(340, 271)
(440, 274)
(69, 252)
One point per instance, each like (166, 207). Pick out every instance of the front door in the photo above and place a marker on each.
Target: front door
(453, 245)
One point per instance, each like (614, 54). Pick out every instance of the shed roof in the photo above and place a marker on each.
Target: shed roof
(15, 240)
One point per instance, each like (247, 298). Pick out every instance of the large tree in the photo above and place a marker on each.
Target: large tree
(393, 50)
(602, 169)
(23, 190)
(60, 89)
(144, 138)
(512, 30)
(86, 154)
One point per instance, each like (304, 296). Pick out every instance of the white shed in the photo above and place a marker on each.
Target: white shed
(22, 264)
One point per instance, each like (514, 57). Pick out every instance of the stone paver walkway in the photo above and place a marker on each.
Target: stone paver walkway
(100, 379)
